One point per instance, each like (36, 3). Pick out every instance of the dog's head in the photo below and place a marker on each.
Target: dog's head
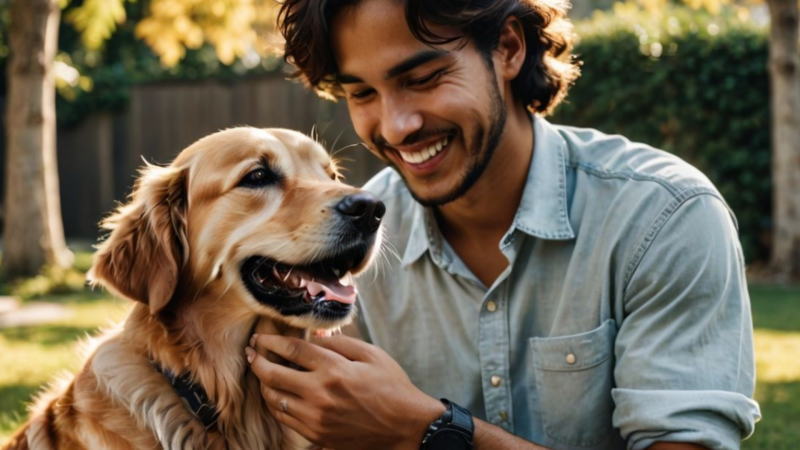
(254, 215)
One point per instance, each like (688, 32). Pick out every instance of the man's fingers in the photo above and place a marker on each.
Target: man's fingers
(287, 409)
(351, 348)
(276, 376)
(282, 401)
(298, 351)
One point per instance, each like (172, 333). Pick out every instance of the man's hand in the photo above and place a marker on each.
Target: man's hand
(353, 395)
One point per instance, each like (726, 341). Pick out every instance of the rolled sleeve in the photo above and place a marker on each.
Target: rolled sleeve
(685, 369)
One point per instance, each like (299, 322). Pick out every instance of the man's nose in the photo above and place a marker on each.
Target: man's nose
(399, 120)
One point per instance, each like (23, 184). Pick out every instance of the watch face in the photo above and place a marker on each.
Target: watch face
(447, 439)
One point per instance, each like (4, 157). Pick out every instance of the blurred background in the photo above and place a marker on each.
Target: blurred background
(91, 88)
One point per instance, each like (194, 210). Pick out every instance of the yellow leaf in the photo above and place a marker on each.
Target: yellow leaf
(96, 20)
(234, 28)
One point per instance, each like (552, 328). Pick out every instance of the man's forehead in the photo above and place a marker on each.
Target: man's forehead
(373, 35)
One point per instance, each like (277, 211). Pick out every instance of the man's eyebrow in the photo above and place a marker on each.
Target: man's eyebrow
(410, 63)
(414, 61)
(343, 78)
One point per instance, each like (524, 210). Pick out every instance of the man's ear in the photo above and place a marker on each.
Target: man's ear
(147, 247)
(509, 56)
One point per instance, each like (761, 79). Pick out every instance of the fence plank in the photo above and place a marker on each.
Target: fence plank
(99, 158)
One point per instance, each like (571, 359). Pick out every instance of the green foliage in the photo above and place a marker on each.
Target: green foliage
(53, 281)
(692, 84)
(94, 39)
(125, 60)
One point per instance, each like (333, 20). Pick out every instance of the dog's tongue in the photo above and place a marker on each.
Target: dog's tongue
(334, 290)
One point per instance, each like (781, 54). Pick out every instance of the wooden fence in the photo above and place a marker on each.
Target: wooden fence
(99, 158)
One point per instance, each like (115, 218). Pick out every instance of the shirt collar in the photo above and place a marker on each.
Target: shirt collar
(543, 209)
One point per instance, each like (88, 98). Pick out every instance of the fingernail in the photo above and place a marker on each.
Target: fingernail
(250, 354)
(253, 340)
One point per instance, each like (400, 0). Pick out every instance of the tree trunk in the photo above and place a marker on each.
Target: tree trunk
(33, 231)
(784, 64)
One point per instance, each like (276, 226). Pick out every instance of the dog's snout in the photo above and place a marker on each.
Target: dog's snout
(364, 209)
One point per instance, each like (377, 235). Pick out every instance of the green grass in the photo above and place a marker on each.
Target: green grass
(31, 355)
(776, 317)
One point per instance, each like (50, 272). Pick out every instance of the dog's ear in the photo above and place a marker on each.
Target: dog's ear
(145, 251)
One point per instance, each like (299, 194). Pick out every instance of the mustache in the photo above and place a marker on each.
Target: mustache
(381, 144)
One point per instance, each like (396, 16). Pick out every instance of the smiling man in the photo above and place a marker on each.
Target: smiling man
(554, 286)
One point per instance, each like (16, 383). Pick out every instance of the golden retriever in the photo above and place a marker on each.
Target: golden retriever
(246, 230)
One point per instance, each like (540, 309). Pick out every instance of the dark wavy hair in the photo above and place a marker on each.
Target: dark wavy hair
(546, 75)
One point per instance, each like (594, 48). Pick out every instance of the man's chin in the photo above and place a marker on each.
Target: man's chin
(429, 197)
(430, 200)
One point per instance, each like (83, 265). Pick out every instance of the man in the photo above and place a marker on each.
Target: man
(560, 286)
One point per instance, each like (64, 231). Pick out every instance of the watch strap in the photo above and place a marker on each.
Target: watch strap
(452, 430)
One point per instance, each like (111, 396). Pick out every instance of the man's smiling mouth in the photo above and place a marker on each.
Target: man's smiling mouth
(426, 153)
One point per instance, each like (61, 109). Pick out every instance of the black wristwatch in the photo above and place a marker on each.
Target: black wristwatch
(452, 431)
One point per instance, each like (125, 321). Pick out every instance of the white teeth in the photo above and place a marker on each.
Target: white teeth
(426, 153)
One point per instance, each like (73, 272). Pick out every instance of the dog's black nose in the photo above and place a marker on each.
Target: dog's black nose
(364, 209)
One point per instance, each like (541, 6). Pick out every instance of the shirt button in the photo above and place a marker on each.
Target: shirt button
(503, 416)
(496, 380)
(571, 358)
(491, 306)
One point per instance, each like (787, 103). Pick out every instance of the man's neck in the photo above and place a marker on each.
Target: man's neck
(474, 224)
(491, 203)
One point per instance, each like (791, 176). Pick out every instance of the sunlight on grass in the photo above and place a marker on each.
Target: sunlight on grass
(777, 356)
(31, 355)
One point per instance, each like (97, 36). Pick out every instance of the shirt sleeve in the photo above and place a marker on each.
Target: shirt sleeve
(685, 369)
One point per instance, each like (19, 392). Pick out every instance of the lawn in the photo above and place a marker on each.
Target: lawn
(30, 355)
(776, 316)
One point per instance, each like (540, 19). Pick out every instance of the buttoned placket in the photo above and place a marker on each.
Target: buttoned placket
(494, 346)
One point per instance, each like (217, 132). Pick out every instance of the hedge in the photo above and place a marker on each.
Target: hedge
(693, 85)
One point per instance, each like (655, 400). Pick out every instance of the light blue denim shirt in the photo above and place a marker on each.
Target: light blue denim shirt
(622, 318)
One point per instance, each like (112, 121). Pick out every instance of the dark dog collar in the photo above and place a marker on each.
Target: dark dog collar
(193, 395)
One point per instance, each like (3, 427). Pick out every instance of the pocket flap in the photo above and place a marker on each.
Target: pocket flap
(576, 351)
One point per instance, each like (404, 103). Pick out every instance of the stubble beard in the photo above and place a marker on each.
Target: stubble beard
(482, 154)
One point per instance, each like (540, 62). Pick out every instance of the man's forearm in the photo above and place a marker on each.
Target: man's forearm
(488, 436)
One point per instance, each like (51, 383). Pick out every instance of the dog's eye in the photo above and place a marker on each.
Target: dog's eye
(259, 178)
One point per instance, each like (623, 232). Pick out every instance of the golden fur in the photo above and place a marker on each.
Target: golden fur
(175, 249)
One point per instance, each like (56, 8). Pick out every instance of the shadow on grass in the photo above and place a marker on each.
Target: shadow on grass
(780, 411)
(776, 307)
(46, 335)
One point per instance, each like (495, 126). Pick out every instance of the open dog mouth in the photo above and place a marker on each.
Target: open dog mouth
(323, 287)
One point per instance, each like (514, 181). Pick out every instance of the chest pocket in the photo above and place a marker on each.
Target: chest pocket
(573, 377)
